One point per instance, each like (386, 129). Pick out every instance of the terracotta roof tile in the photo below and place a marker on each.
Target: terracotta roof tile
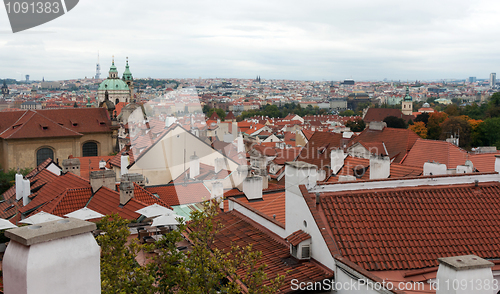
(179, 194)
(276, 255)
(297, 237)
(398, 142)
(410, 228)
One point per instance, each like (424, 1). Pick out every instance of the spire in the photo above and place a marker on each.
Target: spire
(127, 75)
(407, 97)
(113, 72)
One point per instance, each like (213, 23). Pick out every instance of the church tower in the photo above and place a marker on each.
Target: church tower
(407, 104)
(5, 89)
(127, 78)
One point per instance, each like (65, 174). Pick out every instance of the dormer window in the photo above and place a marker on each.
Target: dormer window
(300, 245)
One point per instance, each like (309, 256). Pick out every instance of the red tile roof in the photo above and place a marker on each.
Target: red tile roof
(179, 194)
(69, 201)
(297, 237)
(398, 142)
(91, 163)
(272, 205)
(106, 201)
(54, 188)
(275, 254)
(378, 114)
(317, 150)
(449, 154)
(411, 227)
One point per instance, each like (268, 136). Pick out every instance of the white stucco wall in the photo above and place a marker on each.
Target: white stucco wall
(69, 265)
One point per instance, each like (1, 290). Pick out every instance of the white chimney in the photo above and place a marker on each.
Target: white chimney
(217, 190)
(219, 164)
(19, 186)
(434, 169)
(102, 164)
(347, 178)
(336, 160)
(497, 163)
(26, 192)
(252, 187)
(380, 167)
(239, 144)
(124, 164)
(234, 130)
(467, 274)
(463, 169)
(54, 257)
(194, 166)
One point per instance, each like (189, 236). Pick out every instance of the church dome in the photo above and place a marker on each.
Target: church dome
(113, 85)
(426, 105)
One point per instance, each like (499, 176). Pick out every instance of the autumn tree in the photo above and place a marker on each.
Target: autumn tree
(456, 126)
(419, 128)
(434, 125)
(423, 117)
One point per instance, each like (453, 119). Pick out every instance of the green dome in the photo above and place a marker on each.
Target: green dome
(113, 85)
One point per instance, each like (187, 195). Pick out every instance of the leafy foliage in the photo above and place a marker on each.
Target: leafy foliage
(419, 128)
(7, 179)
(120, 272)
(357, 125)
(395, 122)
(457, 126)
(204, 269)
(220, 112)
(282, 111)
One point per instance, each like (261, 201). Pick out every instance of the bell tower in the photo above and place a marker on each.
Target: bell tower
(127, 78)
(407, 103)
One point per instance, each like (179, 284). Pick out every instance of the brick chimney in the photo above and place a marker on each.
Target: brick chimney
(99, 178)
(54, 257)
(71, 165)
(380, 167)
(126, 192)
(467, 274)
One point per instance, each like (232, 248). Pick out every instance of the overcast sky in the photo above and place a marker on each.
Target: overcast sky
(303, 40)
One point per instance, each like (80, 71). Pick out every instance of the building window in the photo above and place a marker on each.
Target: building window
(89, 149)
(42, 155)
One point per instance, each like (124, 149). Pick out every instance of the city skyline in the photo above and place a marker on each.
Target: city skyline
(278, 40)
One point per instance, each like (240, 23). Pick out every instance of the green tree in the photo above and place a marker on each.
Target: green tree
(207, 269)
(434, 125)
(7, 179)
(494, 106)
(120, 272)
(395, 122)
(456, 126)
(487, 133)
(220, 112)
(357, 125)
(423, 117)
(347, 112)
